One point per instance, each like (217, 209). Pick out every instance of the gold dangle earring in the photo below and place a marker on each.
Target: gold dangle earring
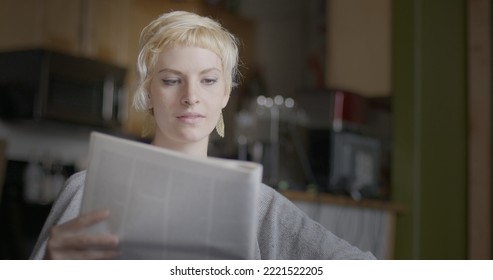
(149, 124)
(220, 126)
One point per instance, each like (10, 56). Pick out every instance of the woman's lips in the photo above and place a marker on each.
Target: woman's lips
(191, 118)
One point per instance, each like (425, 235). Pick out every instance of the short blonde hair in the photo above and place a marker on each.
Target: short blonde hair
(181, 28)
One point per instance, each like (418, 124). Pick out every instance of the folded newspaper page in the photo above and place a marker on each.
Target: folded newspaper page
(168, 205)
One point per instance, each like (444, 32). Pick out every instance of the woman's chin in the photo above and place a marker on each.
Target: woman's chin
(192, 136)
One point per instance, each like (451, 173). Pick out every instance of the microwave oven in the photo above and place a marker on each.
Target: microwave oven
(47, 85)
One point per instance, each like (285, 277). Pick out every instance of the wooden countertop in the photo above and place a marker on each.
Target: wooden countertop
(344, 200)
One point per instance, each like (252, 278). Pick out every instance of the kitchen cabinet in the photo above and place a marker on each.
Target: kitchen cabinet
(105, 31)
(89, 28)
(47, 23)
(32, 23)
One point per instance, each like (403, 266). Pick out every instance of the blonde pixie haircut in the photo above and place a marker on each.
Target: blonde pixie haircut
(186, 29)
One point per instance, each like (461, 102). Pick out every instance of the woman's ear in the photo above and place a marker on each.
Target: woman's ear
(226, 99)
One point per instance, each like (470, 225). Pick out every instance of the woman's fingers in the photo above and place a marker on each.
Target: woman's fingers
(97, 255)
(82, 247)
(85, 255)
(67, 241)
(80, 242)
(82, 221)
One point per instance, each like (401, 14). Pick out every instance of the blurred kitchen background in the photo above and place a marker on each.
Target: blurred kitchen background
(374, 117)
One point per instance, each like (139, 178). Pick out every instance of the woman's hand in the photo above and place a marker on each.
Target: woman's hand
(67, 241)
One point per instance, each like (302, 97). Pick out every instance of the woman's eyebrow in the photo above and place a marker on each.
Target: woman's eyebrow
(168, 70)
(210, 70)
(172, 71)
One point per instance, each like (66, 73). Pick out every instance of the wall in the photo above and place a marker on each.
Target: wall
(480, 152)
(359, 46)
(282, 42)
(415, 52)
(429, 160)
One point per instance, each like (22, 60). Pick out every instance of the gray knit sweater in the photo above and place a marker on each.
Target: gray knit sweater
(283, 230)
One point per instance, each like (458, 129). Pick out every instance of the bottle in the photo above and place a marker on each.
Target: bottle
(46, 191)
(58, 179)
(33, 178)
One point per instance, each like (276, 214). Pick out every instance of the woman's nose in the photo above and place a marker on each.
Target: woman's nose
(190, 95)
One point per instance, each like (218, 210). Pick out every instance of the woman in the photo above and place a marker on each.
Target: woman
(187, 65)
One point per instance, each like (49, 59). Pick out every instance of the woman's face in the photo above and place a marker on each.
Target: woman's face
(187, 93)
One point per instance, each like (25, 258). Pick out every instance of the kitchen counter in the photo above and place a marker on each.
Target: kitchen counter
(368, 224)
(344, 201)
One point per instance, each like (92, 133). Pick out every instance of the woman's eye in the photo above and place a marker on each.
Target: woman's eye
(171, 82)
(209, 81)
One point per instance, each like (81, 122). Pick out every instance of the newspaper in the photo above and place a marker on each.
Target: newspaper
(168, 205)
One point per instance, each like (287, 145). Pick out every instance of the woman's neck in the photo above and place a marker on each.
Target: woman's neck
(195, 148)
